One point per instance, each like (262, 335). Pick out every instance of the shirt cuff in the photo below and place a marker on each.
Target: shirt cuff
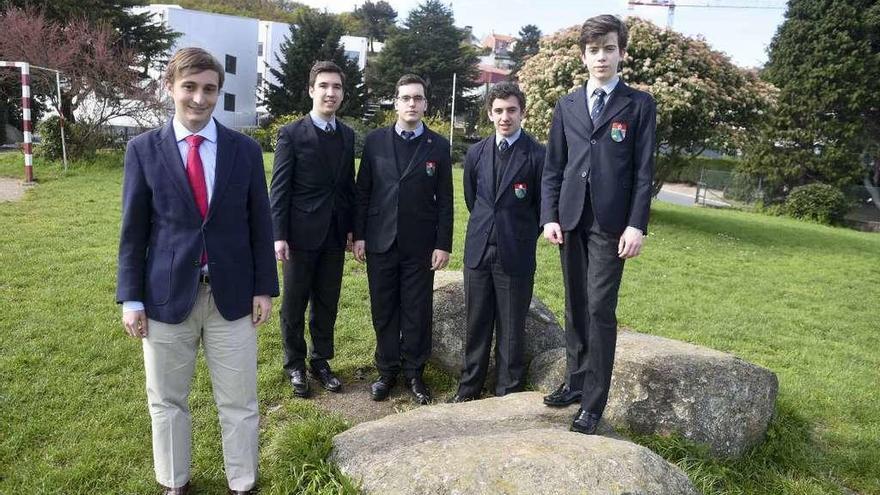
(128, 306)
(640, 230)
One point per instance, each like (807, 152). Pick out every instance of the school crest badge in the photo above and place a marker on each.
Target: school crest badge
(618, 131)
(520, 189)
(430, 168)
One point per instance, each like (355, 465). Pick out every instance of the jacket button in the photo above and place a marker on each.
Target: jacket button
(592, 141)
(583, 175)
(196, 263)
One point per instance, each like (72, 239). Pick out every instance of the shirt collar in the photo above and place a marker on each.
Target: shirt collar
(209, 132)
(608, 87)
(419, 130)
(510, 140)
(321, 123)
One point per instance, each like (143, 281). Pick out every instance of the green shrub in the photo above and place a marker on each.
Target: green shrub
(818, 202)
(262, 136)
(82, 140)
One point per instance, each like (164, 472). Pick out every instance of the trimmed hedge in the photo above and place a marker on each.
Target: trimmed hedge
(817, 202)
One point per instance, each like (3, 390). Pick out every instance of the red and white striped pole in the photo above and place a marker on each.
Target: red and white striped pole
(27, 127)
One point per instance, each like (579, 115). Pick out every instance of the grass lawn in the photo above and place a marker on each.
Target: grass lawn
(798, 298)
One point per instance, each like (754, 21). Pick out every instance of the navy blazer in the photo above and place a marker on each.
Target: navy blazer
(163, 234)
(306, 189)
(514, 210)
(413, 207)
(616, 155)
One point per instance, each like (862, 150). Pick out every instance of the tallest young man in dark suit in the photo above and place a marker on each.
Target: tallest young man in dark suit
(195, 265)
(312, 205)
(596, 195)
(403, 228)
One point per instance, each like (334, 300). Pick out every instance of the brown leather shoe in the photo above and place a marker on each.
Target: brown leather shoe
(180, 490)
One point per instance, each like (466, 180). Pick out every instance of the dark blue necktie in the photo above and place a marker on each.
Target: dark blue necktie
(503, 145)
(599, 105)
(407, 135)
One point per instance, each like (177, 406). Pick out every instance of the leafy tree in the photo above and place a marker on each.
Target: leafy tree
(527, 45)
(314, 37)
(703, 100)
(825, 59)
(377, 18)
(431, 46)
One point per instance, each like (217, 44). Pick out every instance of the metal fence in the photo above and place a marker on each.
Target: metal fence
(728, 188)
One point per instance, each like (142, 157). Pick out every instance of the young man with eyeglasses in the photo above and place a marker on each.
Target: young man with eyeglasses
(403, 230)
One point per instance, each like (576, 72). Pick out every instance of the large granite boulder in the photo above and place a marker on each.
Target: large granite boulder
(663, 386)
(510, 445)
(542, 330)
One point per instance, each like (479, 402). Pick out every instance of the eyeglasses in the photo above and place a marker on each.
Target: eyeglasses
(408, 98)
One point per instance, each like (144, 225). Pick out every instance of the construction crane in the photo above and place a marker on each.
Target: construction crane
(708, 4)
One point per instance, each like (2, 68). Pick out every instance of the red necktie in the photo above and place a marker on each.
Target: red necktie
(195, 174)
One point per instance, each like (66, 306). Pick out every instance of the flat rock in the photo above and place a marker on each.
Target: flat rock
(664, 386)
(510, 445)
(542, 330)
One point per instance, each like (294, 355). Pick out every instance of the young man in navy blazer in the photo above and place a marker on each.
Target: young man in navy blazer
(502, 179)
(403, 229)
(312, 207)
(596, 196)
(196, 264)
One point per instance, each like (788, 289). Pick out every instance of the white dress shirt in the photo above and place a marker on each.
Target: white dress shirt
(510, 140)
(320, 123)
(608, 87)
(419, 130)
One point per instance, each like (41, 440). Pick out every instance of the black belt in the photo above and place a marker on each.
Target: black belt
(204, 278)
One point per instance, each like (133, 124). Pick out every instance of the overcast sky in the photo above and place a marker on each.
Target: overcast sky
(742, 33)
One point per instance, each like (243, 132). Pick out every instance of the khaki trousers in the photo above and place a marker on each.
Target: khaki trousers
(169, 360)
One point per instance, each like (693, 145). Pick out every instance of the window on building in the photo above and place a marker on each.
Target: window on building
(229, 102)
(259, 79)
(260, 49)
(230, 64)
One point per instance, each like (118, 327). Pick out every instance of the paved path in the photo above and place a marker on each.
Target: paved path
(10, 189)
(683, 194)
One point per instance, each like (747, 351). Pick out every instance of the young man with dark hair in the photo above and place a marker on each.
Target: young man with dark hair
(195, 264)
(312, 212)
(502, 178)
(596, 196)
(403, 229)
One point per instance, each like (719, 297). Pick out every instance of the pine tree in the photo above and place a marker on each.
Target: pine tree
(314, 37)
(527, 45)
(430, 46)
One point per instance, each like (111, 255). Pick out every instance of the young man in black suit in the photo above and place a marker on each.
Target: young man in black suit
(403, 229)
(596, 196)
(312, 205)
(502, 178)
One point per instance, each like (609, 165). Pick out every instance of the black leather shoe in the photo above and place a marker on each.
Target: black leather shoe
(242, 492)
(455, 399)
(300, 383)
(380, 389)
(562, 397)
(419, 390)
(327, 379)
(180, 490)
(585, 422)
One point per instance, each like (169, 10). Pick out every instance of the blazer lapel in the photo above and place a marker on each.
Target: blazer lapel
(619, 100)
(578, 108)
(422, 150)
(484, 167)
(169, 155)
(311, 134)
(346, 145)
(226, 150)
(517, 161)
(389, 145)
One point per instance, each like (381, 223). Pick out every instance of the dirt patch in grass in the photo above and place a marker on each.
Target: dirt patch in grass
(10, 189)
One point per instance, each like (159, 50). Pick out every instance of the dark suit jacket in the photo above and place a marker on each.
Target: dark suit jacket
(620, 171)
(163, 233)
(515, 218)
(306, 189)
(414, 207)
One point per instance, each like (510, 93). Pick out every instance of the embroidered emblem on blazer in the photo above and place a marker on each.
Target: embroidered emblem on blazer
(618, 131)
(520, 189)
(430, 168)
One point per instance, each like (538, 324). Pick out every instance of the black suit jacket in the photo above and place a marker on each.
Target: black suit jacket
(163, 234)
(619, 165)
(514, 210)
(306, 189)
(413, 207)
